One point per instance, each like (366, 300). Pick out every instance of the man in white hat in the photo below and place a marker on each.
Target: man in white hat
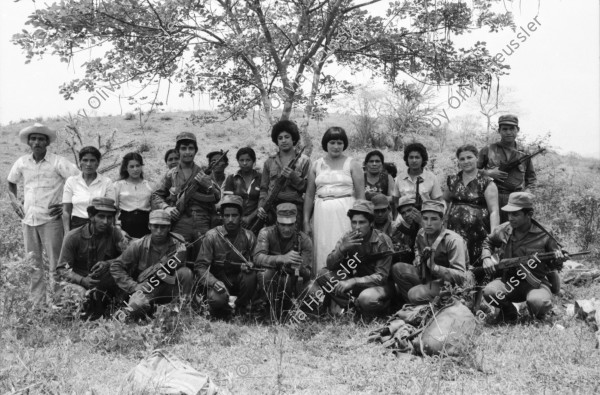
(43, 175)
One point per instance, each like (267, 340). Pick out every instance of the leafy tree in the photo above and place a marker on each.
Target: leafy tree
(270, 55)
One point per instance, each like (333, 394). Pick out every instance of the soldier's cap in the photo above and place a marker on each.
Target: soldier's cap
(433, 205)
(380, 201)
(406, 200)
(518, 201)
(159, 217)
(231, 200)
(361, 207)
(286, 213)
(212, 153)
(185, 136)
(508, 119)
(39, 129)
(103, 204)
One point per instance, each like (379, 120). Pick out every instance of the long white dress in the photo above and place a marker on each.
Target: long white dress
(333, 198)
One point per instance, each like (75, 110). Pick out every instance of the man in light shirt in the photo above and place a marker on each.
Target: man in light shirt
(43, 175)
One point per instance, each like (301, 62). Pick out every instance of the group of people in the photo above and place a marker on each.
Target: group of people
(333, 233)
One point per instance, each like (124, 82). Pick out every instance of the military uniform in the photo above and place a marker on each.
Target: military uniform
(446, 259)
(212, 266)
(277, 286)
(512, 286)
(157, 270)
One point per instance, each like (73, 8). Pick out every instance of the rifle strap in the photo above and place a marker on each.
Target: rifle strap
(536, 223)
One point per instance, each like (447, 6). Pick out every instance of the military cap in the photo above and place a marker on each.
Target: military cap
(185, 136)
(39, 129)
(232, 200)
(286, 213)
(159, 217)
(361, 207)
(380, 201)
(103, 204)
(406, 200)
(518, 201)
(508, 119)
(433, 205)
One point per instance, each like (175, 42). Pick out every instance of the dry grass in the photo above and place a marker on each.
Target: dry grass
(42, 354)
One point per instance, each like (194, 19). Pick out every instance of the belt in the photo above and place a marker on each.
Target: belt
(138, 211)
(334, 197)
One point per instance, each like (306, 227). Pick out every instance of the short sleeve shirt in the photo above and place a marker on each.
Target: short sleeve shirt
(80, 194)
(43, 184)
(429, 189)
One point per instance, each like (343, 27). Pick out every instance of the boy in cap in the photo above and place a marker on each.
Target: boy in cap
(285, 135)
(440, 256)
(350, 272)
(222, 265)
(152, 269)
(287, 254)
(522, 178)
(44, 175)
(195, 218)
(85, 255)
(520, 236)
(405, 231)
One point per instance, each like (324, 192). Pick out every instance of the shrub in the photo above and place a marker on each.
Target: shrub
(129, 116)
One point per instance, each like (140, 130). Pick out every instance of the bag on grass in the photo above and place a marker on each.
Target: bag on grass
(166, 374)
(449, 331)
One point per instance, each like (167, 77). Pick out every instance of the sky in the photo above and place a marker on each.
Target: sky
(554, 78)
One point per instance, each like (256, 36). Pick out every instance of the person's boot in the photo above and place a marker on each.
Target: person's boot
(508, 315)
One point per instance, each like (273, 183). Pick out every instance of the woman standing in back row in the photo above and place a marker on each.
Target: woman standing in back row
(334, 182)
(416, 158)
(132, 196)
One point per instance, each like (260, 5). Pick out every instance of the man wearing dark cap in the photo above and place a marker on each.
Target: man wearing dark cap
(405, 229)
(195, 217)
(44, 175)
(350, 272)
(287, 254)
(152, 269)
(285, 134)
(520, 237)
(382, 214)
(222, 265)
(441, 256)
(85, 255)
(522, 178)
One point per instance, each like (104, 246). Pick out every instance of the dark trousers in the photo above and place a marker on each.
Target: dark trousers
(182, 286)
(503, 294)
(76, 222)
(503, 201)
(135, 223)
(370, 301)
(242, 285)
(408, 284)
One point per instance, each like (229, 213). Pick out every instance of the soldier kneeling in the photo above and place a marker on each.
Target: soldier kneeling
(152, 269)
(85, 260)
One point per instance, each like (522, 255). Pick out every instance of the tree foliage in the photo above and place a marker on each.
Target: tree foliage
(273, 55)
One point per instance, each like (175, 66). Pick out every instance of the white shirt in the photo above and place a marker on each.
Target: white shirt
(130, 196)
(80, 194)
(429, 189)
(43, 183)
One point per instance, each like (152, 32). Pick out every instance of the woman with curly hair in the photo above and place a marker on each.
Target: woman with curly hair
(416, 157)
(132, 196)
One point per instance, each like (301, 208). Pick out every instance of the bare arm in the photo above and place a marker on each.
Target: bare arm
(14, 201)
(66, 216)
(357, 179)
(491, 198)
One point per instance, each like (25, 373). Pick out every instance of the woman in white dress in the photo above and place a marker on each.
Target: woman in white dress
(334, 182)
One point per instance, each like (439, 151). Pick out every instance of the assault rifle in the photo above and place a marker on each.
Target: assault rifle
(256, 225)
(396, 256)
(513, 164)
(522, 262)
(184, 196)
(227, 263)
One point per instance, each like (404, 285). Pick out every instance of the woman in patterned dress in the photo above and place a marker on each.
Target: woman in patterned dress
(473, 198)
(334, 182)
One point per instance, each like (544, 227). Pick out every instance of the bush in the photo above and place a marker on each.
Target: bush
(129, 116)
(165, 118)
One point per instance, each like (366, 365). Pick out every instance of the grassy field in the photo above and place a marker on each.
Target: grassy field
(47, 354)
